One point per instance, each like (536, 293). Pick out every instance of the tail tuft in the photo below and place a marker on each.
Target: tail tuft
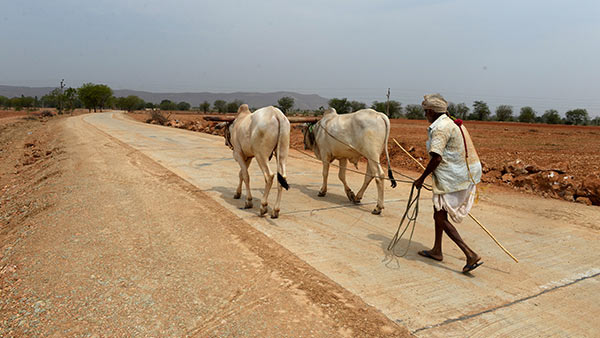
(283, 182)
(391, 177)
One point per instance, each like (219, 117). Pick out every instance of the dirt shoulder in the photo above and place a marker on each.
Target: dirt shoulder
(98, 239)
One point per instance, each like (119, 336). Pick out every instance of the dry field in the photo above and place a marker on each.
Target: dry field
(555, 161)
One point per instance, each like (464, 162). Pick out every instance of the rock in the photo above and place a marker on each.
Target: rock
(523, 181)
(532, 168)
(517, 167)
(583, 200)
(590, 188)
(507, 178)
(484, 167)
(492, 176)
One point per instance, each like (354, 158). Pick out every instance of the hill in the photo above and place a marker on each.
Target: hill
(257, 100)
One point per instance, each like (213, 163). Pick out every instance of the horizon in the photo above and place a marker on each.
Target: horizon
(516, 109)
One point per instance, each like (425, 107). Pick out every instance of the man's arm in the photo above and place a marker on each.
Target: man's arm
(434, 162)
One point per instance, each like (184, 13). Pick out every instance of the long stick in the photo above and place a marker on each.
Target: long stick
(472, 217)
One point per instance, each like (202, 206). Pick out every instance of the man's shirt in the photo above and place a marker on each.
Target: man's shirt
(452, 174)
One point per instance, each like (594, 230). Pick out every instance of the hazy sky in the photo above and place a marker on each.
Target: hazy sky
(539, 53)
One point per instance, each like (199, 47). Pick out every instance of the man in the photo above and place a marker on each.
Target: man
(456, 171)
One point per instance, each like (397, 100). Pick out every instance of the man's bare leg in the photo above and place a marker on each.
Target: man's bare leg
(442, 217)
(436, 252)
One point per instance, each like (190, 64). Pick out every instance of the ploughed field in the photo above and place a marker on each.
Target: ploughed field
(556, 161)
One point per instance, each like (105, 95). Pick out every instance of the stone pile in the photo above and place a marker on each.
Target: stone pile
(552, 182)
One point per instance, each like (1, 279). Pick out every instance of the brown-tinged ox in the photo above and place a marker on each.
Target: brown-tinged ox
(261, 134)
(348, 137)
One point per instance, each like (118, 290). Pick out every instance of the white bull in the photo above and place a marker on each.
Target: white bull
(349, 137)
(261, 134)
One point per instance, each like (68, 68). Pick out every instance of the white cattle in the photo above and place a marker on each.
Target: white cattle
(349, 137)
(261, 134)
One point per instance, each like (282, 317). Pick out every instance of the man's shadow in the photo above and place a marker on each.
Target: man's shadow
(404, 249)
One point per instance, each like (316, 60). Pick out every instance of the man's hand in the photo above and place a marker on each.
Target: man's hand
(419, 182)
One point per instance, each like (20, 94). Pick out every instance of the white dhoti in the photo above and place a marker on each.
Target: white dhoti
(457, 204)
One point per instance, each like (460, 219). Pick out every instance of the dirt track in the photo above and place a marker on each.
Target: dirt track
(135, 221)
(123, 247)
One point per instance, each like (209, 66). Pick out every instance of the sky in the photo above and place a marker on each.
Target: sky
(542, 54)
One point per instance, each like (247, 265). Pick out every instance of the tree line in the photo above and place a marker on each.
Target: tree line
(98, 96)
(480, 112)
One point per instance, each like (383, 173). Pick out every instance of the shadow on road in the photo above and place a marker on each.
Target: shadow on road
(392, 261)
(313, 193)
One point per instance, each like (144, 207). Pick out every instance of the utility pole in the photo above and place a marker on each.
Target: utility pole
(387, 104)
(60, 96)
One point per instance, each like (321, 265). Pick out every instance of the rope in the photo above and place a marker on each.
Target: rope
(410, 214)
(409, 180)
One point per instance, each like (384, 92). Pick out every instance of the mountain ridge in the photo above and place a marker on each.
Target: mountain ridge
(253, 99)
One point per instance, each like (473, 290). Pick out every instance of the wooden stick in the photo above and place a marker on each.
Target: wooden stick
(472, 217)
(292, 119)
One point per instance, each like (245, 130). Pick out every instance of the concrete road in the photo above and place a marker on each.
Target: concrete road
(553, 290)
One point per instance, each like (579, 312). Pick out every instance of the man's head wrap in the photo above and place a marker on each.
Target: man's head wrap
(435, 102)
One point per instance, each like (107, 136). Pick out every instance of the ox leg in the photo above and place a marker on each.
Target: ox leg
(379, 181)
(323, 190)
(275, 212)
(264, 166)
(244, 164)
(366, 182)
(238, 191)
(342, 177)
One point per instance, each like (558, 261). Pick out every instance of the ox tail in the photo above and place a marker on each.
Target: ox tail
(387, 155)
(282, 149)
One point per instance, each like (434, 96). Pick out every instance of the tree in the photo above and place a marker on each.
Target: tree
(232, 107)
(205, 106)
(130, 103)
(183, 106)
(220, 106)
(414, 112)
(577, 116)
(3, 101)
(595, 121)
(395, 108)
(285, 103)
(167, 105)
(481, 111)
(459, 111)
(341, 106)
(51, 99)
(504, 113)
(94, 96)
(150, 105)
(551, 116)
(527, 115)
(70, 98)
(357, 105)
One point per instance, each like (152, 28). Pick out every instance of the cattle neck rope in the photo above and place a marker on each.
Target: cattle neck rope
(470, 215)
(356, 171)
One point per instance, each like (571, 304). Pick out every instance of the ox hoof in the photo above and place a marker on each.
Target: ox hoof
(376, 211)
(237, 196)
(275, 213)
(350, 195)
(248, 204)
(263, 210)
(322, 193)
